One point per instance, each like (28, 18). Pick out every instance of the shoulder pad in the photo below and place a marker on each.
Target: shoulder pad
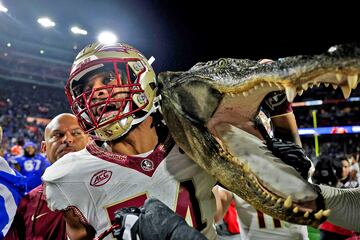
(60, 168)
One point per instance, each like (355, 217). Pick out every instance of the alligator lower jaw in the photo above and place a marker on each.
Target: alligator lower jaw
(288, 202)
(272, 199)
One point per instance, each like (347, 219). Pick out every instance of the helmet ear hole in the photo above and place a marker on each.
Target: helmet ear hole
(152, 85)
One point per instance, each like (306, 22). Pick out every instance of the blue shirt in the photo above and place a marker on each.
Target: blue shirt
(12, 188)
(32, 168)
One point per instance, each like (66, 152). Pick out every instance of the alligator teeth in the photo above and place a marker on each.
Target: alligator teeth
(346, 91)
(352, 81)
(326, 84)
(290, 93)
(262, 84)
(317, 84)
(305, 86)
(246, 168)
(278, 201)
(334, 86)
(288, 202)
(327, 212)
(311, 85)
(256, 87)
(295, 210)
(306, 215)
(319, 214)
(245, 94)
(338, 77)
(300, 92)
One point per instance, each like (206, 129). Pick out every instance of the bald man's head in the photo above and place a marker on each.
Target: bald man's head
(63, 135)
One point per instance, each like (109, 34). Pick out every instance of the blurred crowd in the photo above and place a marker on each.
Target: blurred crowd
(25, 109)
(18, 65)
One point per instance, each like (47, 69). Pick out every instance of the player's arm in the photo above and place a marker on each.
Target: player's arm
(281, 114)
(75, 229)
(223, 199)
(286, 128)
(275, 104)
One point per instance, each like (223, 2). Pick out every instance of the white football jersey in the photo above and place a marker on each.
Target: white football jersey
(96, 183)
(257, 225)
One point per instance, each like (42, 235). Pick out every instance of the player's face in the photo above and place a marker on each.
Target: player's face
(105, 86)
(30, 150)
(64, 136)
(345, 168)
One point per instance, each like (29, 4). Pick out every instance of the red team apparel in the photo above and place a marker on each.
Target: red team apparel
(35, 221)
(95, 183)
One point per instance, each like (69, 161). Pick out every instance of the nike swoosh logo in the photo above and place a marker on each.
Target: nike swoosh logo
(33, 217)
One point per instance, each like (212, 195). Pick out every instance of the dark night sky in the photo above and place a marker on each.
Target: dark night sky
(181, 33)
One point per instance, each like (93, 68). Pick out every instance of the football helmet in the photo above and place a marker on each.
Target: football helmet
(111, 88)
(16, 150)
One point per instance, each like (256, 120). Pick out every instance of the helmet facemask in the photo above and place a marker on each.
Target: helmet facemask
(107, 95)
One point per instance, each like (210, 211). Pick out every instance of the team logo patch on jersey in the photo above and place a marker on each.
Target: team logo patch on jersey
(147, 165)
(100, 178)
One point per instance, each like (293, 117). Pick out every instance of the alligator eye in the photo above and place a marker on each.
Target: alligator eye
(222, 63)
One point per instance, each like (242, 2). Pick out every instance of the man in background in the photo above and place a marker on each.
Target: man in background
(34, 220)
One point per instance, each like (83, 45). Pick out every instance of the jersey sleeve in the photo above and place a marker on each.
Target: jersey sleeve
(56, 199)
(53, 178)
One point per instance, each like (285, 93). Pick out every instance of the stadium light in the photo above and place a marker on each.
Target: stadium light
(107, 38)
(3, 8)
(46, 22)
(77, 30)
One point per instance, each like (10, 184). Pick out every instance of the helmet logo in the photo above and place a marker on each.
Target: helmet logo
(147, 165)
(108, 132)
(138, 66)
(141, 98)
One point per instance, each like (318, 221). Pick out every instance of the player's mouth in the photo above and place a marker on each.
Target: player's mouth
(107, 111)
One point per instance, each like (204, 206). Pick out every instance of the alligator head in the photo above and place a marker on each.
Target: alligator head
(210, 111)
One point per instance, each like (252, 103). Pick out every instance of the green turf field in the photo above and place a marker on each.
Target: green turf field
(313, 233)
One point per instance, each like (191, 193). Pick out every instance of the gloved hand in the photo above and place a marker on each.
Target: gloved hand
(291, 154)
(155, 221)
(128, 220)
(276, 103)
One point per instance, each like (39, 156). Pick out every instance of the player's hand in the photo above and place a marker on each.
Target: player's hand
(291, 154)
(128, 220)
(155, 221)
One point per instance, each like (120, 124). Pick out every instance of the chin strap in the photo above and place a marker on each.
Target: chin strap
(139, 120)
